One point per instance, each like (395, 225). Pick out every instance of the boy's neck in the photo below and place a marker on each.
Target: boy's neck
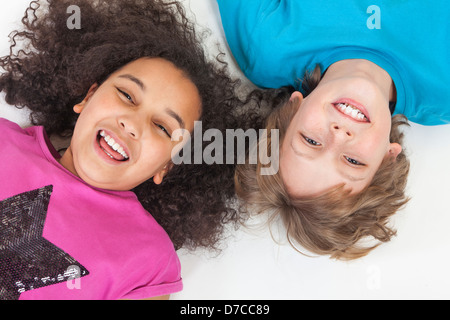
(363, 68)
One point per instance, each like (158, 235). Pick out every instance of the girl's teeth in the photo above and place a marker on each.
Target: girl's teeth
(113, 144)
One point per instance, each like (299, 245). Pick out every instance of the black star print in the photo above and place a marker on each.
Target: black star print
(27, 260)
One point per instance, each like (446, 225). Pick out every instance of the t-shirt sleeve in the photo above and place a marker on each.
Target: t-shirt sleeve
(7, 126)
(166, 281)
(241, 21)
(256, 34)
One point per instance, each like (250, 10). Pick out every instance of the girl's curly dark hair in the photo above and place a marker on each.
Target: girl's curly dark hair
(51, 67)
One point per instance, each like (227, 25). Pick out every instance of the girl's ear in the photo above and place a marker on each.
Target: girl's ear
(158, 178)
(79, 107)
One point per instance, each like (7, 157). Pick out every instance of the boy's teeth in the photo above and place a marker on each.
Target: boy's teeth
(113, 144)
(348, 110)
(351, 111)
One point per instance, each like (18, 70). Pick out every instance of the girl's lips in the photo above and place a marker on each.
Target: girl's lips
(111, 148)
(352, 109)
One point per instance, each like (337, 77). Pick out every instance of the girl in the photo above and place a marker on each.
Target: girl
(342, 167)
(120, 84)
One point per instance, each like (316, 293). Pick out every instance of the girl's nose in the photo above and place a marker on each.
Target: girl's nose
(129, 127)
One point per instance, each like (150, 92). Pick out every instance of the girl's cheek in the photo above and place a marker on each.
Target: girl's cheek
(158, 152)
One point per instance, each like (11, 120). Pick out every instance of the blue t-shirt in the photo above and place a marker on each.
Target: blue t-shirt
(276, 41)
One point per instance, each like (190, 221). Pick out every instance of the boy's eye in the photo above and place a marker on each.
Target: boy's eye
(311, 141)
(353, 161)
(126, 95)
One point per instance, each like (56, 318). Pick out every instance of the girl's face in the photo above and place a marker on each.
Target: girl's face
(123, 134)
(339, 135)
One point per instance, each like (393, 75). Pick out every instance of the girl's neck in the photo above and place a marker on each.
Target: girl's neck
(363, 68)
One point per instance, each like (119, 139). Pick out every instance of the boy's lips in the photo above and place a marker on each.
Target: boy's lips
(352, 109)
(112, 146)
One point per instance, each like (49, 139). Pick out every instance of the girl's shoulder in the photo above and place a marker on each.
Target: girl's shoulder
(8, 125)
(14, 134)
(13, 128)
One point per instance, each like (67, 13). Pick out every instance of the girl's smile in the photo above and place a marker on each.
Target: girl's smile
(112, 147)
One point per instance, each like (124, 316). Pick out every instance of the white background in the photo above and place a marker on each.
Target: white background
(414, 265)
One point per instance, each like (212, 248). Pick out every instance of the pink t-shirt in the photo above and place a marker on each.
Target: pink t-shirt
(63, 239)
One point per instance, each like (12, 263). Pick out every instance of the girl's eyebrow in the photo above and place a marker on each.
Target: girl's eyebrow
(134, 79)
(175, 115)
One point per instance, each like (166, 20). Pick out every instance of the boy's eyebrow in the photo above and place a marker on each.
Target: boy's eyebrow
(134, 79)
(352, 178)
(344, 174)
(299, 153)
(175, 115)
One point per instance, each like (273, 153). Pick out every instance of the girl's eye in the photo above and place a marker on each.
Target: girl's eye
(311, 141)
(164, 130)
(353, 161)
(126, 95)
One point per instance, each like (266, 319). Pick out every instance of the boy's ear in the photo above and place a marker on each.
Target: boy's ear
(79, 107)
(295, 100)
(296, 94)
(158, 178)
(394, 150)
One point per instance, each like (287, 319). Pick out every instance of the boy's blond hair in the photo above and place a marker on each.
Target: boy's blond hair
(334, 223)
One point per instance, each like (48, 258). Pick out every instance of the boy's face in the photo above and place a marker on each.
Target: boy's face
(123, 134)
(339, 134)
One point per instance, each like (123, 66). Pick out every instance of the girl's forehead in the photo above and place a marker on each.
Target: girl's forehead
(141, 65)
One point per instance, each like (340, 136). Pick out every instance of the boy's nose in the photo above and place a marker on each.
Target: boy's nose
(338, 129)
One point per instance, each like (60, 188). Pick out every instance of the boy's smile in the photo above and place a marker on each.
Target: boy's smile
(352, 109)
